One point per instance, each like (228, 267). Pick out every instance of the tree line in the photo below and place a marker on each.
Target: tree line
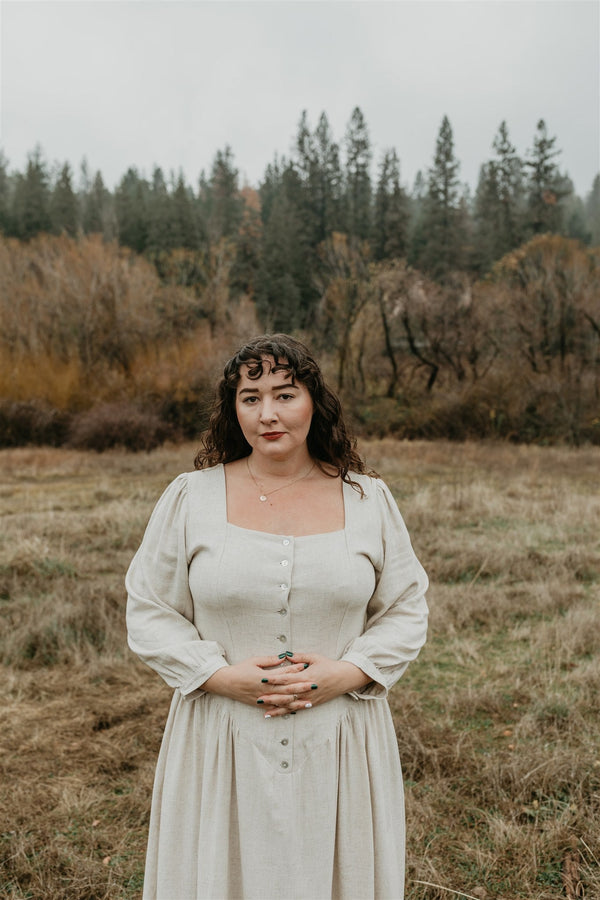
(276, 231)
(436, 314)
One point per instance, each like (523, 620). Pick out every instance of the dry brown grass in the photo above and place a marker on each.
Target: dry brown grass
(497, 722)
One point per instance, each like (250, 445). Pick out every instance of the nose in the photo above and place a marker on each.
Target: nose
(268, 413)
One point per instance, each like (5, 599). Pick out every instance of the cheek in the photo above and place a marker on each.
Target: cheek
(307, 413)
(242, 413)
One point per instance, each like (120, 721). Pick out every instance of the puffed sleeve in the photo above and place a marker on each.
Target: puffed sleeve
(160, 613)
(397, 612)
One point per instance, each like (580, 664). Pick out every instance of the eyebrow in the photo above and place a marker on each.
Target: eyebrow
(278, 387)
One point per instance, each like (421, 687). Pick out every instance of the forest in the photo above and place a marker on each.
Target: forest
(437, 312)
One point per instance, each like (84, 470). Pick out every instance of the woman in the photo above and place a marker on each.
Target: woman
(277, 591)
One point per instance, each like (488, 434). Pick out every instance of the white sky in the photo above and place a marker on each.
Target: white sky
(169, 82)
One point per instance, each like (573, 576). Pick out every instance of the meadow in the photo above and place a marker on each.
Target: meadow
(497, 721)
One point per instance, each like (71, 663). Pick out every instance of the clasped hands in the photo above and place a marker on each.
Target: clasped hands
(279, 687)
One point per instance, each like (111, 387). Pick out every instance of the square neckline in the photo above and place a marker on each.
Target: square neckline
(275, 534)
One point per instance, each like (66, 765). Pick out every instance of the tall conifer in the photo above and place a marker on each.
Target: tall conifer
(546, 186)
(391, 213)
(443, 225)
(358, 179)
(63, 204)
(131, 207)
(31, 204)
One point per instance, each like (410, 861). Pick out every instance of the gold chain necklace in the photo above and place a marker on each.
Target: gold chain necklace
(264, 495)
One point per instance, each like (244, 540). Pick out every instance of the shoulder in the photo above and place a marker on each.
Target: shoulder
(205, 485)
(204, 476)
(188, 482)
(377, 501)
(370, 485)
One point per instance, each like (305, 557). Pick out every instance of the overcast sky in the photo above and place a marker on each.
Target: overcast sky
(143, 83)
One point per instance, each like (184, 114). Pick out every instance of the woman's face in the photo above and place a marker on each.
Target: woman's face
(274, 413)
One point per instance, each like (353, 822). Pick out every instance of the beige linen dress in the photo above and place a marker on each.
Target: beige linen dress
(304, 807)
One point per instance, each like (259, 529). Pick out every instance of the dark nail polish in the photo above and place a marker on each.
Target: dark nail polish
(292, 712)
(313, 687)
(281, 655)
(260, 701)
(306, 665)
(265, 680)
(288, 653)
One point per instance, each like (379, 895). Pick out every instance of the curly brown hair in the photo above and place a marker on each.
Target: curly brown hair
(328, 441)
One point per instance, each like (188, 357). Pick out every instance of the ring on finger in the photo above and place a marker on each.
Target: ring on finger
(294, 696)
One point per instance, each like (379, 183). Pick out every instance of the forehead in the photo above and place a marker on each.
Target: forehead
(266, 368)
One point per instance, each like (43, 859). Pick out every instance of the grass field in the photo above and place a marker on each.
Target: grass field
(497, 722)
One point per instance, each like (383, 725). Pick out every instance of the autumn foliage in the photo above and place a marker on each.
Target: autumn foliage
(99, 344)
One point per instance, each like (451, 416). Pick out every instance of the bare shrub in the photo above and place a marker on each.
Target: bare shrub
(118, 425)
(32, 423)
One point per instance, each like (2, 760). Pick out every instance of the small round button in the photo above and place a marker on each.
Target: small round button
(282, 638)
(283, 587)
(285, 742)
(284, 562)
(285, 542)
(284, 764)
(283, 612)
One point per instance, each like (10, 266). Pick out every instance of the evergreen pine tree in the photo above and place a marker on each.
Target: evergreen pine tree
(358, 179)
(546, 186)
(285, 295)
(417, 237)
(131, 208)
(97, 210)
(391, 212)
(31, 201)
(248, 245)
(329, 180)
(443, 213)
(509, 173)
(270, 186)
(224, 204)
(185, 216)
(160, 231)
(63, 204)
(318, 165)
(499, 202)
(487, 215)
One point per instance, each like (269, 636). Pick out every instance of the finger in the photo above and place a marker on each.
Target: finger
(283, 676)
(266, 662)
(283, 692)
(286, 684)
(271, 712)
(304, 658)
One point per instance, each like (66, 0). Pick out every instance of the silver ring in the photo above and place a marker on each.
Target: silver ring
(295, 696)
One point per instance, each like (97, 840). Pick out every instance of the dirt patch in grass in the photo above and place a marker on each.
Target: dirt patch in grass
(497, 721)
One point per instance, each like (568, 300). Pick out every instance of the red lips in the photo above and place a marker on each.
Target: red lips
(272, 435)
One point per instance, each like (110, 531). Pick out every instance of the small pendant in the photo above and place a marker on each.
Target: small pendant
(262, 498)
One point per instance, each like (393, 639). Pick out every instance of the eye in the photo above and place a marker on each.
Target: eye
(286, 396)
(250, 401)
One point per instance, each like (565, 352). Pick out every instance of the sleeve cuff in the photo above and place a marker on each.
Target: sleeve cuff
(191, 689)
(376, 689)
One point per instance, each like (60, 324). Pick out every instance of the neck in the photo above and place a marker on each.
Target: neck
(290, 467)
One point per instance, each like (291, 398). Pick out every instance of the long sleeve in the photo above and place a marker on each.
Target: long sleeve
(396, 625)
(160, 624)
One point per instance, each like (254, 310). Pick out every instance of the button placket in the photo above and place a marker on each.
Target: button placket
(284, 586)
(284, 744)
